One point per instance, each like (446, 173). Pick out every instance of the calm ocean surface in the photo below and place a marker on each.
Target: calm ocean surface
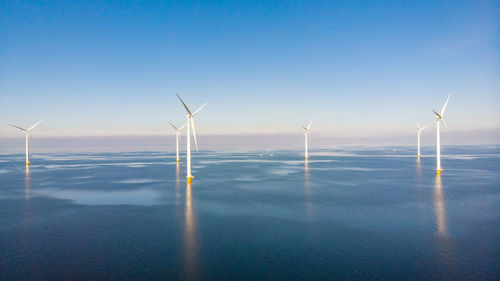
(349, 213)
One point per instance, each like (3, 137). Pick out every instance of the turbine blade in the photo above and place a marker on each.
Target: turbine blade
(18, 127)
(185, 106)
(304, 128)
(437, 114)
(182, 127)
(309, 126)
(194, 134)
(32, 127)
(198, 110)
(442, 121)
(444, 106)
(173, 126)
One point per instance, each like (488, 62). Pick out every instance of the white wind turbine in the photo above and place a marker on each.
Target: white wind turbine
(27, 133)
(177, 135)
(439, 117)
(306, 133)
(419, 133)
(190, 126)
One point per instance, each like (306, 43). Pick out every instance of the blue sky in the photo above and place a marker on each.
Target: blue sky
(360, 69)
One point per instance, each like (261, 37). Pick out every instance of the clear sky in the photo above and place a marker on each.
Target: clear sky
(358, 68)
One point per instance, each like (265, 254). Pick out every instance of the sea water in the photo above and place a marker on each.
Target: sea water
(346, 213)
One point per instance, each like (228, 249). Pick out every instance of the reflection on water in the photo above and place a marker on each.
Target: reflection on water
(27, 184)
(419, 168)
(307, 187)
(177, 184)
(191, 248)
(439, 207)
(419, 179)
(444, 247)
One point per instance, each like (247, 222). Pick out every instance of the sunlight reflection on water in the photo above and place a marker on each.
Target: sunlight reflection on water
(439, 206)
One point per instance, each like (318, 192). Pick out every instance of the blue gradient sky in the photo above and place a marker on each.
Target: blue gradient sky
(358, 68)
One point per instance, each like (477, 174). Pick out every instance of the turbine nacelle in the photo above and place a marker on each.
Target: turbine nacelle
(307, 129)
(420, 127)
(307, 136)
(28, 137)
(190, 115)
(177, 130)
(29, 129)
(440, 116)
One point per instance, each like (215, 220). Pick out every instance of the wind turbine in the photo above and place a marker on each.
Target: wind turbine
(190, 126)
(27, 133)
(306, 133)
(439, 117)
(419, 133)
(177, 135)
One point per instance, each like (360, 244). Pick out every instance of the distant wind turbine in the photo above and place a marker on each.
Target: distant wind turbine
(419, 133)
(439, 117)
(306, 133)
(27, 133)
(190, 126)
(177, 135)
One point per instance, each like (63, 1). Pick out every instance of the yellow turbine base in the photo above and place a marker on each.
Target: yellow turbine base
(178, 160)
(27, 163)
(189, 179)
(438, 172)
(418, 156)
(307, 157)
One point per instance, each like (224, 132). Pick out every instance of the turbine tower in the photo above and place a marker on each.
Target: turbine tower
(190, 126)
(177, 135)
(439, 117)
(27, 133)
(419, 133)
(306, 134)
